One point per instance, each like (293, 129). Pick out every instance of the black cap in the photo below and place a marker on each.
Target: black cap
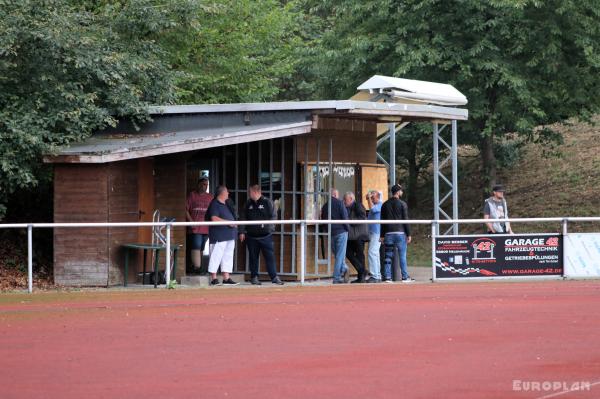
(396, 188)
(498, 188)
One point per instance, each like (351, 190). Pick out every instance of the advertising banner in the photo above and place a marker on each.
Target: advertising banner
(582, 255)
(499, 255)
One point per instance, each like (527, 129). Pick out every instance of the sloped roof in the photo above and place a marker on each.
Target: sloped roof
(180, 128)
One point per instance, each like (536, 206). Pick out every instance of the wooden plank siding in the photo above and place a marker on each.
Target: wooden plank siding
(170, 189)
(122, 207)
(80, 195)
(347, 146)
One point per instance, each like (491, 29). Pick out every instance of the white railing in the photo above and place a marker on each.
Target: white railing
(303, 224)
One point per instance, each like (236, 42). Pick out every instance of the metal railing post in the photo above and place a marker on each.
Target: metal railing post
(565, 231)
(30, 258)
(433, 232)
(302, 251)
(168, 257)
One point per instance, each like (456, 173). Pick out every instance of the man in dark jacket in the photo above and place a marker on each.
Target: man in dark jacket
(395, 235)
(339, 235)
(259, 237)
(357, 235)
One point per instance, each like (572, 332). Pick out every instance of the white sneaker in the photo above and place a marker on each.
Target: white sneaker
(408, 280)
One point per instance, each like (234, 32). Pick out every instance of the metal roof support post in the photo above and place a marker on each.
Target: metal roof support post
(282, 207)
(392, 128)
(330, 186)
(454, 177)
(451, 183)
(436, 178)
(317, 194)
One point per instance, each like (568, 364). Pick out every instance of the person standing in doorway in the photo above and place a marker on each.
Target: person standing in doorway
(196, 206)
(358, 234)
(495, 208)
(222, 238)
(397, 235)
(339, 235)
(259, 237)
(374, 201)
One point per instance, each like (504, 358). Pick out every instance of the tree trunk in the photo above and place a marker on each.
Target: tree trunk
(413, 175)
(488, 160)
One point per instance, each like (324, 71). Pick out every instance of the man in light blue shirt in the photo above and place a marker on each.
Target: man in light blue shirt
(374, 199)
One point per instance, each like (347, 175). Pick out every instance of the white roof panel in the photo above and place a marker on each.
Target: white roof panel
(429, 92)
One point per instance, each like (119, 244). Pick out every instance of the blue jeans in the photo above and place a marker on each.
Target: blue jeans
(264, 244)
(392, 241)
(338, 246)
(198, 241)
(374, 259)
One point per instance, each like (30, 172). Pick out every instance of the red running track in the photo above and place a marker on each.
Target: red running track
(475, 340)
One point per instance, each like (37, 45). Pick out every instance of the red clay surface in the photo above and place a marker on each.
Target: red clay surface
(475, 340)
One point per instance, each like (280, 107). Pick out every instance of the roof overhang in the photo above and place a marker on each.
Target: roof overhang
(111, 148)
(181, 128)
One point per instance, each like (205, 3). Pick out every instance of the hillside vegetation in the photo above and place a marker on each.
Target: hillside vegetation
(542, 183)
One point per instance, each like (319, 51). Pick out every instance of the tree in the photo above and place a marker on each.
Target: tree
(521, 63)
(235, 51)
(65, 72)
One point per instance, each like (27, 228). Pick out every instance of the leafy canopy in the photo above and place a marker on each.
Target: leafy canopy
(521, 64)
(65, 72)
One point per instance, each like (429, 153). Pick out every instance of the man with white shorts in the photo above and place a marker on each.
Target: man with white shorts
(221, 238)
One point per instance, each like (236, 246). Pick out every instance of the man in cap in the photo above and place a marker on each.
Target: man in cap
(495, 208)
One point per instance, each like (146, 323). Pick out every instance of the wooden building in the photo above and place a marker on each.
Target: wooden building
(295, 150)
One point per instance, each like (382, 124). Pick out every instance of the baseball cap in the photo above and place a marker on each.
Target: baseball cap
(499, 188)
(396, 188)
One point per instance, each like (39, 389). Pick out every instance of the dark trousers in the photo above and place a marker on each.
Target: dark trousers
(255, 246)
(355, 252)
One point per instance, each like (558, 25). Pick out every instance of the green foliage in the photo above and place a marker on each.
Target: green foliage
(65, 72)
(235, 51)
(521, 64)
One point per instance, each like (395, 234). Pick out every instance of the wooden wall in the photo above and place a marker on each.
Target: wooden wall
(170, 189)
(347, 146)
(109, 193)
(122, 207)
(81, 195)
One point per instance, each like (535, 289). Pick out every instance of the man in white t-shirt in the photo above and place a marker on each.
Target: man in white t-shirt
(495, 208)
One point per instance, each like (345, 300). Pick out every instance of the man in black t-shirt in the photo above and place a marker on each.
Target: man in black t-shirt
(222, 238)
(395, 235)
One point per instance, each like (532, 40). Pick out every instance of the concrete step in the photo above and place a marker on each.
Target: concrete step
(204, 281)
(421, 274)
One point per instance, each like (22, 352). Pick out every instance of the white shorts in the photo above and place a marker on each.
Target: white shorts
(221, 254)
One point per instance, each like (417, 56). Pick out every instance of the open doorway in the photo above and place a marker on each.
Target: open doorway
(199, 168)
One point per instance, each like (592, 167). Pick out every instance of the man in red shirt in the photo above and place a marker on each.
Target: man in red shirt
(196, 206)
